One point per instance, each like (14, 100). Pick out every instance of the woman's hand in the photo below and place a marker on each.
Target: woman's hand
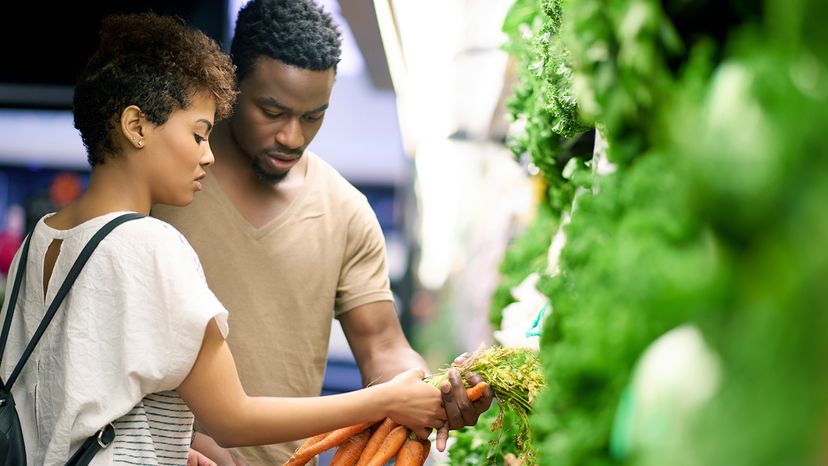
(194, 458)
(413, 403)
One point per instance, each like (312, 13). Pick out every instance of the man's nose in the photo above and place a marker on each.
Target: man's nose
(290, 134)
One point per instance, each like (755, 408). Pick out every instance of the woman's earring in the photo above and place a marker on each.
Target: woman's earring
(140, 143)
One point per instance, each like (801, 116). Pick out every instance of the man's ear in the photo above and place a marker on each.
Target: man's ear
(132, 125)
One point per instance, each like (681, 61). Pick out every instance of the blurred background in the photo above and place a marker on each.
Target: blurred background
(418, 81)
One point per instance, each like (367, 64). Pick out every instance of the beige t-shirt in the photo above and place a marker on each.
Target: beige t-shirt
(283, 283)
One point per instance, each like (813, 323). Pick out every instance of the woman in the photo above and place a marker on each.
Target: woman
(139, 339)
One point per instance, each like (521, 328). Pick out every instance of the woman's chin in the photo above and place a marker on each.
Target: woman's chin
(178, 201)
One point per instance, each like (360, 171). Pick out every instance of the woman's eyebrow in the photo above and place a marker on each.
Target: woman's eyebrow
(206, 122)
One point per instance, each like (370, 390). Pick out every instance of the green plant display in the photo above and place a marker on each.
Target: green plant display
(554, 132)
(628, 274)
(526, 254)
(758, 171)
(715, 114)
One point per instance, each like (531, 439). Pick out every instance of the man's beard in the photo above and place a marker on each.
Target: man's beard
(265, 177)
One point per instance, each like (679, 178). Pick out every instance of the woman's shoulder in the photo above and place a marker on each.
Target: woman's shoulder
(149, 243)
(150, 234)
(151, 228)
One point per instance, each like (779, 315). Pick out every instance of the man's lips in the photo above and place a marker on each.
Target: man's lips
(283, 157)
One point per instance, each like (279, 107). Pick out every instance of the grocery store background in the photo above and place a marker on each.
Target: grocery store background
(405, 97)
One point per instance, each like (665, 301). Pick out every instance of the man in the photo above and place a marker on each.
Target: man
(286, 242)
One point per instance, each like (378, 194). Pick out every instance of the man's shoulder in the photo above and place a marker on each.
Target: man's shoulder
(334, 184)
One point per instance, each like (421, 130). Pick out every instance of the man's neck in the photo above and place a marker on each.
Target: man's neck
(231, 162)
(257, 201)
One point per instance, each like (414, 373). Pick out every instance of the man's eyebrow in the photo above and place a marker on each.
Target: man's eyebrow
(321, 108)
(271, 102)
(206, 122)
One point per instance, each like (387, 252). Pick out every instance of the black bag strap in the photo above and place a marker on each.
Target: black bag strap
(91, 446)
(18, 279)
(61, 294)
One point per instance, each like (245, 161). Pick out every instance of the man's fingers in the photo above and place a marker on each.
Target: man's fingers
(422, 433)
(459, 359)
(484, 402)
(460, 410)
(442, 437)
(468, 415)
(473, 378)
(462, 413)
(450, 404)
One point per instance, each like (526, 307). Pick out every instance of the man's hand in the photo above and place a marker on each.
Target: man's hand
(460, 410)
(195, 458)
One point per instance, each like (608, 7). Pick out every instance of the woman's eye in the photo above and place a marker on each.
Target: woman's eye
(199, 138)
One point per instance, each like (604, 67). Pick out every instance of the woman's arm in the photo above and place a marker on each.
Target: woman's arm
(214, 393)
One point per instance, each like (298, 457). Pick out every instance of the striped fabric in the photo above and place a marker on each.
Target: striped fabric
(156, 432)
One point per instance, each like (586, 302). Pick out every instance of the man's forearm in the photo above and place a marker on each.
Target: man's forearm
(378, 342)
(384, 365)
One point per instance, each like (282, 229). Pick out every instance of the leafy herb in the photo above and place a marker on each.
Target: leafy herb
(514, 375)
(482, 444)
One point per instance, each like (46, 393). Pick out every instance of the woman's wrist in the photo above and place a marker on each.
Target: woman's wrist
(382, 398)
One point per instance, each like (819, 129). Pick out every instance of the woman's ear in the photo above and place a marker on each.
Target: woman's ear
(132, 125)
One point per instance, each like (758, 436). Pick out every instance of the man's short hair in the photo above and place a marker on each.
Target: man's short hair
(296, 32)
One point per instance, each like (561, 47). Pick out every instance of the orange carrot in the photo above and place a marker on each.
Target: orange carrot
(348, 453)
(426, 443)
(474, 393)
(373, 448)
(410, 454)
(313, 440)
(302, 456)
(390, 446)
(376, 440)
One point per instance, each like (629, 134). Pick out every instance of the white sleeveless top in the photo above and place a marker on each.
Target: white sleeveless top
(124, 338)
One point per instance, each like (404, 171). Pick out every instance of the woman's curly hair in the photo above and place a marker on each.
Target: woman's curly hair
(297, 32)
(154, 62)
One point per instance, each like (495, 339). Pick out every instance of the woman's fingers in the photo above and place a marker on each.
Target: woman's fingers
(195, 458)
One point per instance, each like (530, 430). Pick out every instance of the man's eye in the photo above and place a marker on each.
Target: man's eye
(313, 117)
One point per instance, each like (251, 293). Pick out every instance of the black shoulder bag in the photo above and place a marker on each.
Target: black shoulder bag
(12, 446)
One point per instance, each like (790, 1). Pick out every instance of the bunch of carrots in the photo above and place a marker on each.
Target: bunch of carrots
(513, 374)
(372, 444)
